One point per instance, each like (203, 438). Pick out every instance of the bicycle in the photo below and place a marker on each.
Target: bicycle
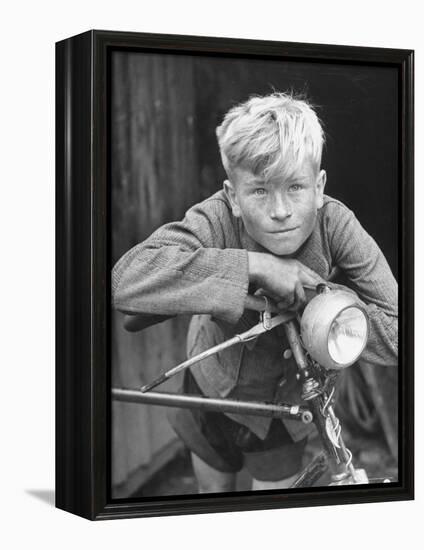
(327, 337)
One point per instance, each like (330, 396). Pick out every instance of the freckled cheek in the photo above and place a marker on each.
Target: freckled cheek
(254, 222)
(309, 219)
(253, 213)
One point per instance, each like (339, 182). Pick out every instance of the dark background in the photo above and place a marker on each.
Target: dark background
(165, 109)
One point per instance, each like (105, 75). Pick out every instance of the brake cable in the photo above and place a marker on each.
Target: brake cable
(266, 323)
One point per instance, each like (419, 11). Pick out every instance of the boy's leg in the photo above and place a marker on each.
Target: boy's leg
(210, 435)
(210, 480)
(258, 485)
(276, 462)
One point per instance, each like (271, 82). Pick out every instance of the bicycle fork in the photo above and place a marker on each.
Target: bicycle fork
(337, 457)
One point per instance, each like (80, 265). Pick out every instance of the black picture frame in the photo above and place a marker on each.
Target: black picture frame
(82, 274)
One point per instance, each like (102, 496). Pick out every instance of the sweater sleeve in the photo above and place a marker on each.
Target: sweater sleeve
(356, 253)
(185, 267)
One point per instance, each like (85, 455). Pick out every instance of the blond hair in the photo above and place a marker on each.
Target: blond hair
(269, 134)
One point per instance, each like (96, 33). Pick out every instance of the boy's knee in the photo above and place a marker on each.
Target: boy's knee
(215, 485)
(258, 485)
(210, 480)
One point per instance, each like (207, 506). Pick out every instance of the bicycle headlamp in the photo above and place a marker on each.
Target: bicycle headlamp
(334, 328)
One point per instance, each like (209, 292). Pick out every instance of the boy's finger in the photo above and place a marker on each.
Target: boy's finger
(299, 297)
(294, 300)
(268, 294)
(309, 277)
(286, 303)
(257, 303)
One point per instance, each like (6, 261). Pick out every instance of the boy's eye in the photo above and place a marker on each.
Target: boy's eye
(295, 187)
(260, 191)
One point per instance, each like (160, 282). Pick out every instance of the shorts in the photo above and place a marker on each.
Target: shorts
(228, 446)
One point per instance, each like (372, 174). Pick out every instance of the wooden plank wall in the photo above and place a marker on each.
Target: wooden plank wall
(153, 164)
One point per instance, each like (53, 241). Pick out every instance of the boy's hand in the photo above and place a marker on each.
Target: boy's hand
(282, 279)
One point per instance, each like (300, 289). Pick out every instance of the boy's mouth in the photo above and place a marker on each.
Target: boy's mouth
(287, 230)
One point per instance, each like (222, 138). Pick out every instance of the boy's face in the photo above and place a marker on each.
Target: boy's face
(281, 213)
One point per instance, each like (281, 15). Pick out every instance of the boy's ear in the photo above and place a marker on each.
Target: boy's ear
(232, 197)
(321, 181)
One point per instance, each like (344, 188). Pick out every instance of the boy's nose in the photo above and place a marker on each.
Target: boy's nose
(280, 207)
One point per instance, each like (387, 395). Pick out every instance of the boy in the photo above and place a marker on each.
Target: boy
(271, 230)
